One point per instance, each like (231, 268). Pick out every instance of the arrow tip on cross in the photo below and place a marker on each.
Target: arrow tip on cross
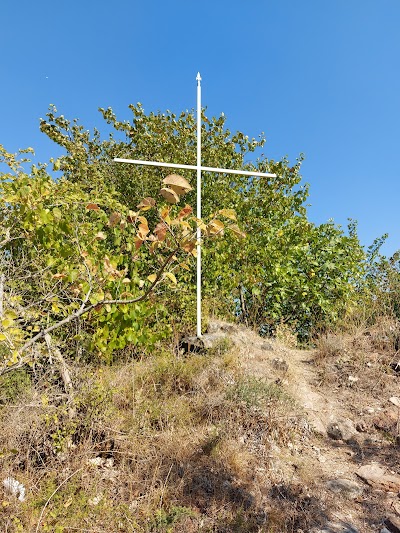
(198, 77)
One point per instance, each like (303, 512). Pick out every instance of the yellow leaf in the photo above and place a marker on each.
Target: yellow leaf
(185, 266)
(165, 212)
(200, 223)
(171, 277)
(228, 213)
(237, 231)
(215, 227)
(152, 278)
(2, 337)
(146, 204)
(11, 314)
(7, 322)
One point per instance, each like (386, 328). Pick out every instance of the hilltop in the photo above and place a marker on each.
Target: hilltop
(252, 435)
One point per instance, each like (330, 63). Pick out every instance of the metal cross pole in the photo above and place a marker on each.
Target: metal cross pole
(198, 167)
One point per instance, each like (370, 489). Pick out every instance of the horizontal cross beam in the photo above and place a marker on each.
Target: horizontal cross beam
(195, 167)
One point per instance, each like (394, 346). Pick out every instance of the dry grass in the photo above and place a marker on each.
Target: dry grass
(169, 443)
(175, 443)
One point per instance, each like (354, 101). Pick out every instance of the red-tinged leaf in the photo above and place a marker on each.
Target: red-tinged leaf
(161, 230)
(131, 216)
(146, 204)
(93, 207)
(138, 243)
(188, 246)
(59, 276)
(114, 219)
(185, 211)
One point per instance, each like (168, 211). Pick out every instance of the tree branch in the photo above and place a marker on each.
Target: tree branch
(84, 309)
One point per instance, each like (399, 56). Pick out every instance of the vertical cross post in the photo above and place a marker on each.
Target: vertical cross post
(198, 292)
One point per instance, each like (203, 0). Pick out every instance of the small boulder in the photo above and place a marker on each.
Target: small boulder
(280, 364)
(376, 477)
(387, 421)
(395, 401)
(342, 429)
(348, 488)
(267, 346)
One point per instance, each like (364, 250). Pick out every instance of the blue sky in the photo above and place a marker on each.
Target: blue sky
(320, 77)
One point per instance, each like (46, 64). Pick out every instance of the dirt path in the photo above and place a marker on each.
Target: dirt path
(330, 451)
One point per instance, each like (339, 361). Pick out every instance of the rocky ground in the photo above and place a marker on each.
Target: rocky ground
(248, 436)
(345, 463)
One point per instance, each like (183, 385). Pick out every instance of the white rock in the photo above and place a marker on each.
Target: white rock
(96, 461)
(395, 401)
(15, 488)
(96, 500)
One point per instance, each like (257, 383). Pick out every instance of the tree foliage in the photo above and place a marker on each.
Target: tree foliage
(70, 257)
(287, 269)
(89, 250)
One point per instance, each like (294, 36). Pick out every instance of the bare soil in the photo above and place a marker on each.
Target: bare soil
(306, 471)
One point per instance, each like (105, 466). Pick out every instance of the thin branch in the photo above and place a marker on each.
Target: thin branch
(2, 279)
(50, 497)
(63, 367)
(84, 309)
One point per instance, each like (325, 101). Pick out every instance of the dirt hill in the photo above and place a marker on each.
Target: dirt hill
(250, 435)
(345, 463)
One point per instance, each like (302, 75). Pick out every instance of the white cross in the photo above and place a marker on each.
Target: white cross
(199, 168)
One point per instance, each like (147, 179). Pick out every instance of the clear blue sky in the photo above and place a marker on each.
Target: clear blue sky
(317, 76)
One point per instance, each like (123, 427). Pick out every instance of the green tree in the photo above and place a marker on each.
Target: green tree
(287, 269)
(83, 261)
